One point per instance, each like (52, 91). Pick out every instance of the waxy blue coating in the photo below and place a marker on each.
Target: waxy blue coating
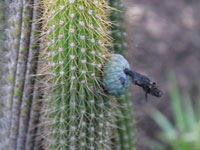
(113, 71)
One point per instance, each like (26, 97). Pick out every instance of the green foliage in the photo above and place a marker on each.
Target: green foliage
(185, 133)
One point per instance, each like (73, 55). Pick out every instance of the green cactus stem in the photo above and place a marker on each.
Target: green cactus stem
(124, 134)
(125, 138)
(118, 29)
(77, 112)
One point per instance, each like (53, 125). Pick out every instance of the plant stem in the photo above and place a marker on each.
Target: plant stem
(124, 134)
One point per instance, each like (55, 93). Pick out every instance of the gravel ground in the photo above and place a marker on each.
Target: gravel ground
(162, 35)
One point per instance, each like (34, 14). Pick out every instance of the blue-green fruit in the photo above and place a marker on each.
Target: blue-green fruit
(115, 81)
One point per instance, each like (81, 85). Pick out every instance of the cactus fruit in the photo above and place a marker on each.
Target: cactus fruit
(77, 112)
(116, 78)
(115, 81)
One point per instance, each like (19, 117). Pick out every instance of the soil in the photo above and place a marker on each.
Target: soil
(163, 35)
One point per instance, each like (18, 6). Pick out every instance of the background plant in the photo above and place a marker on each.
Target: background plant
(185, 133)
(124, 135)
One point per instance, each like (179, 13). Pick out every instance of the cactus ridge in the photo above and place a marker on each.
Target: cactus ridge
(77, 113)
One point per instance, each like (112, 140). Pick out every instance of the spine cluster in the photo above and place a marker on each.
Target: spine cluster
(77, 112)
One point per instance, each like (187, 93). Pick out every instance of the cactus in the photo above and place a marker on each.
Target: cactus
(118, 29)
(77, 112)
(76, 108)
(125, 121)
(2, 68)
(22, 53)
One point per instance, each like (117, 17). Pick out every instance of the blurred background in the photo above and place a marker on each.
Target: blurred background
(162, 35)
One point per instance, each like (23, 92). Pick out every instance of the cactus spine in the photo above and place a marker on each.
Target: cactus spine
(125, 133)
(77, 112)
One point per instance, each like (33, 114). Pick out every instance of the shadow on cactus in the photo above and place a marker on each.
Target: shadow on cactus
(185, 133)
